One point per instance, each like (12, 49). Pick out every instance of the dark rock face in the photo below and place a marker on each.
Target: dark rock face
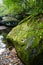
(9, 21)
(0, 18)
(28, 41)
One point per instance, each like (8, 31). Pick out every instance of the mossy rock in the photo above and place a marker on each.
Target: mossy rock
(27, 38)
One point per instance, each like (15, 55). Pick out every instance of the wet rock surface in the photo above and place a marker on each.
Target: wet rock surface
(2, 27)
(9, 21)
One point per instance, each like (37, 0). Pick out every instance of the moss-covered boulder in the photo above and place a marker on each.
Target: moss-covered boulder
(28, 39)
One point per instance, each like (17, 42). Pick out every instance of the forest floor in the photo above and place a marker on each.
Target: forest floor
(9, 57)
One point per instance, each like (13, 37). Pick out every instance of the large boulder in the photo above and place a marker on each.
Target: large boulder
(27, 38)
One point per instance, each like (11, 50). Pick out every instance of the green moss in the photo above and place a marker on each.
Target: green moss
(26, 38)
